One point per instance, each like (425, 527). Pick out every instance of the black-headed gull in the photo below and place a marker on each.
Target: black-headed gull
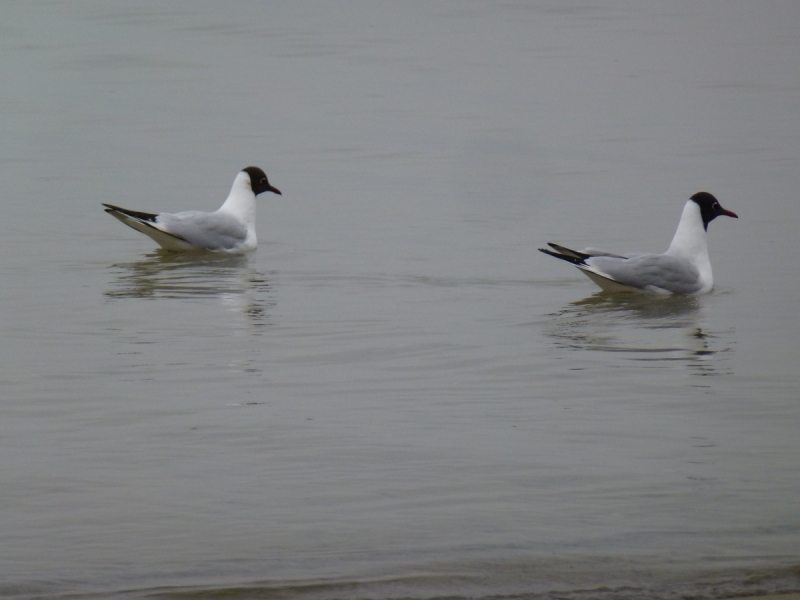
(231, 228)
(683, 269)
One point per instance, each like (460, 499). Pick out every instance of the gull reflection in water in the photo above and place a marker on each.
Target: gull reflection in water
(642, 327)
(231, 278)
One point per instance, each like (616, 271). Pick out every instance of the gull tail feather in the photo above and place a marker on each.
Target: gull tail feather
(146, 223)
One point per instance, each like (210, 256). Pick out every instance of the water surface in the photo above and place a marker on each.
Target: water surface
(396, 395)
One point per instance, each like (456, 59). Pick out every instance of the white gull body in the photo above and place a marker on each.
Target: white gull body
(231, 228)
(684, 268)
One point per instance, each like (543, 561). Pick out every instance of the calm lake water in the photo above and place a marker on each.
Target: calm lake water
(396, 395)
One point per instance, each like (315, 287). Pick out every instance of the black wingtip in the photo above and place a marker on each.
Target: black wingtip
(570, 259)
(143, 216)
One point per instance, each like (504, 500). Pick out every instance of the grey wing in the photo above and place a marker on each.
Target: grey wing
(649, 271)
(214, 231)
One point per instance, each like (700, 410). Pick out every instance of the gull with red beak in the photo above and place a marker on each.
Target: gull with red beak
(231, 228)
(683, 269)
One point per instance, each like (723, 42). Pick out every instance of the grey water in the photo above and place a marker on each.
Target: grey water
(396, 395)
